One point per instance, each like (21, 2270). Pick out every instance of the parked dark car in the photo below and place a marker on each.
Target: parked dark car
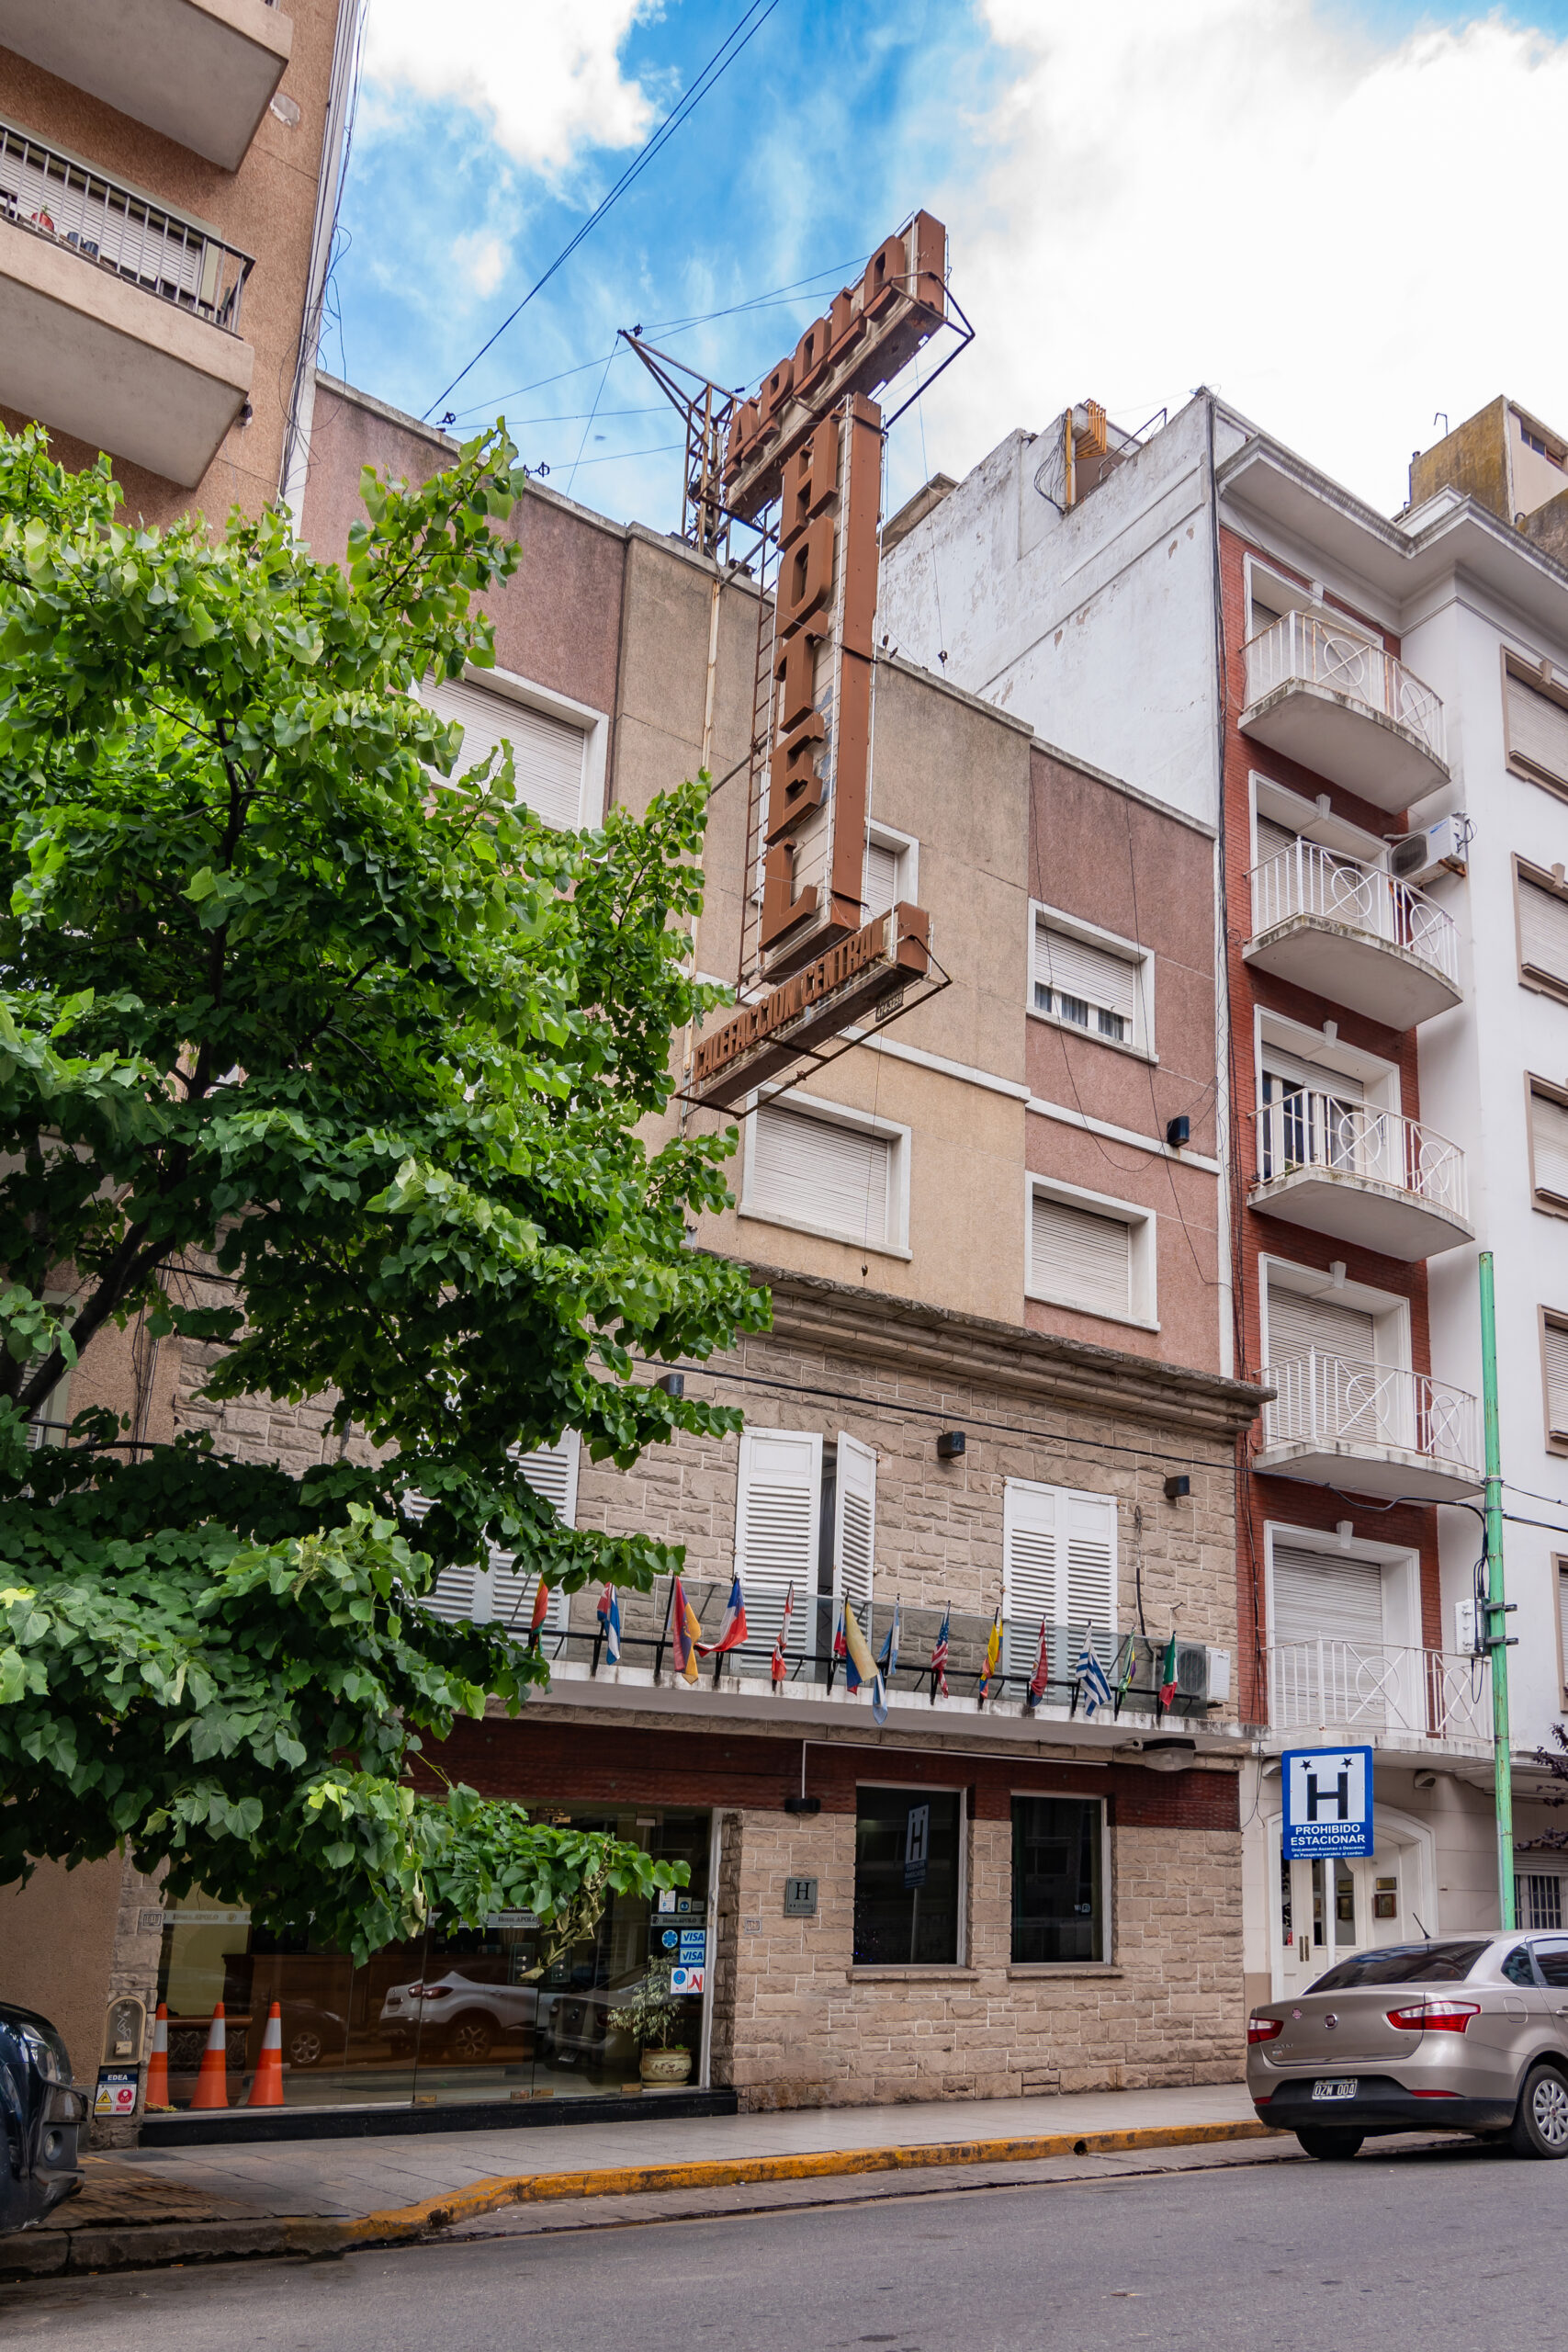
(39, 2117)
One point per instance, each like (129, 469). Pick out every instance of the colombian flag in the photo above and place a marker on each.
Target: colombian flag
(685, 1633)
(990, 1674)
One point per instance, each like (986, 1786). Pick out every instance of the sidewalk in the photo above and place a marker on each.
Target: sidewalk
(321, 2196)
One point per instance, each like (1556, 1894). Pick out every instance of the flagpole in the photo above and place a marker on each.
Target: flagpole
(664, 1632)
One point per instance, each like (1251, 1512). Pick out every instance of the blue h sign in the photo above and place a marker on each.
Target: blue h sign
(1329, 1800)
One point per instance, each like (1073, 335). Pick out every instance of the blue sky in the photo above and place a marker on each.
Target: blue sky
(1340, 216)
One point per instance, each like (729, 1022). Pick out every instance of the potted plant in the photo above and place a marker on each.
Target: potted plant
(650, 2017)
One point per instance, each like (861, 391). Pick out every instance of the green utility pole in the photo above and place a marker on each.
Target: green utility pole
(1494, 1639)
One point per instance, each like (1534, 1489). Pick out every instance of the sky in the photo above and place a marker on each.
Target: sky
(1345, 218)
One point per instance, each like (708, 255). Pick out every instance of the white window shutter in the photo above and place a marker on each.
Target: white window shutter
(1557, 1382)
(777, 1499)
(1091, 1580)
(1543, 930)
(1324, 1595)
(855, 1523)
(1030, 1569)
(548, 754)
(1080, 1256)
(1297, 1323)
(1549, 1127)
(1563, 1615)
(822, 1173)
(879, 885)
(1080, 968)
(1538, 730)
(551, 1471)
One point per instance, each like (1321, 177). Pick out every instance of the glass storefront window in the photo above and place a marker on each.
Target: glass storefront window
(454, 2015)
(907, 1847)
(1058, 1908)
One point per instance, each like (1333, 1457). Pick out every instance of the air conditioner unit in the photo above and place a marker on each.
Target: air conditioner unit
(1193, 1672)
(1437, 849)
(1219, 1677)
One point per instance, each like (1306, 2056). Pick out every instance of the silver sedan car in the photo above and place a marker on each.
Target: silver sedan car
(1462, 2033)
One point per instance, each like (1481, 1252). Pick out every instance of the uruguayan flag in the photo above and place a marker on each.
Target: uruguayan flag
(1092, 1685)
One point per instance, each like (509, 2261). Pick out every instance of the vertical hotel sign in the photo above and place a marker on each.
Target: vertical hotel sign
(810, 445)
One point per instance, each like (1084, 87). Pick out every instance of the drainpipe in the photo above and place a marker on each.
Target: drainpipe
(1495, 1607)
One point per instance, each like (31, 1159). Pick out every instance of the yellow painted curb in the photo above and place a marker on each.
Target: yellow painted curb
(731, 2171)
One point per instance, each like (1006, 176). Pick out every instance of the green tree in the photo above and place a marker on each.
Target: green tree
(312, 1048)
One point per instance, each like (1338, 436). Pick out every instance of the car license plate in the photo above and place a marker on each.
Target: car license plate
(1344, 2087)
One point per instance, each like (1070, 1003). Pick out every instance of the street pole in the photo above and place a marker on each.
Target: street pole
(1495, 1608)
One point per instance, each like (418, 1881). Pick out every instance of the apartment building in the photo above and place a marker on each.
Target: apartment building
(169, 178)
(1241, 639)
(991, 1393)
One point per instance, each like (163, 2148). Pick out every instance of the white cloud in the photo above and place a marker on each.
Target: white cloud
(482, 258)
(1343, 234)
(546, 74)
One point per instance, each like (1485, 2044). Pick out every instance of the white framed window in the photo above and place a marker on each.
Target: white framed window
(1059, 1554)
(892, 871)
(1562, 1568)
(1303, 1308)
(1554, 1369)
(557, 745)
(824, 1167)
(1548, 1145)
(783, 1529)
(496, 1593)
(1091, 1253)
(1543, 906)
(1092, 980)
(1535, 724)
(1357, 1598)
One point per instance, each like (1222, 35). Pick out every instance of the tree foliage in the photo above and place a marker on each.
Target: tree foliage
(318, 1051)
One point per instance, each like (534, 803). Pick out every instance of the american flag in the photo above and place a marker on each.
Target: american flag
(939, 1655)
(778, 1669)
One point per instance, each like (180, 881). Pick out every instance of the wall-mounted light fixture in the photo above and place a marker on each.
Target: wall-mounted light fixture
(949, 1444)
(803, 1805)
(672, 1382)
(1178, 1132)
(1177, 1489)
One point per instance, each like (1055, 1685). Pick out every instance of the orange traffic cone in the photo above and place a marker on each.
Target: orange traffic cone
(158, 2064)
(266, 2090)
(212, 2082)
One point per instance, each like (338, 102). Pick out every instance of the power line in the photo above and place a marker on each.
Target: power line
(739, 38)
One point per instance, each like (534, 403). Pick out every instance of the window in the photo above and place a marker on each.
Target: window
(1537, 1900)
(1543, 930)
(1548, 1146)
(907, 1878)
(1553, 1961)
(1086, 984)
(1536, 725)
(1058, 1880)
(549, 752)
(1059, 1559)
(833, 1174)
(889, 871)
(497, 1593)
(1563, 1621)
(1095, 1255)
(1554, 1352)
(1326, 1596)
(805, 1516)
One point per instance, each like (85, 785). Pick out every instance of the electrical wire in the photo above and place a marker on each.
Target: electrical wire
(739, 38)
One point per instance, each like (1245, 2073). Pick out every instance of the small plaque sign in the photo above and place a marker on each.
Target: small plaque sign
(800, 1898)
(117, 2091)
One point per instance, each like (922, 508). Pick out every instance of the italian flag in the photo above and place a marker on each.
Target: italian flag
(1167, 1675)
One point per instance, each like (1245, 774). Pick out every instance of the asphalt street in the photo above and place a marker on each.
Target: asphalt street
(1446, 2249)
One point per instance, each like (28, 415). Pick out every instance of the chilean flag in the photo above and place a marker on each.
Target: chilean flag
(733, 1632)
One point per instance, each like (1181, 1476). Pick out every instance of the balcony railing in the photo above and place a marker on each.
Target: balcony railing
(1328, 1133)
(1301, 650)
(1307, 879)
(114, 228)
(1349, 1686)
(1324, 1399)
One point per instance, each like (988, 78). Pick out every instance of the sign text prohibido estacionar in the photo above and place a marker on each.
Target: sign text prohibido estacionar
(1328, 1802)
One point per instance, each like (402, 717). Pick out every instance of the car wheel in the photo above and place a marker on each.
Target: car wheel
(1331, 2147)
(1540, 2126)
(471, 2037)
(304, 2046)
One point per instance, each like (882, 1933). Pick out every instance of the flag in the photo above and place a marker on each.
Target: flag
(860, 1666)
(841, 1648)
(609, 1615)
(1167, 1676)
(541, 1609)
(1091, 1682)
(733, 1632)
(778, 1668)
(939, 1654)
(1042, 1671)
(887, 1657)
(988, 1673)
(1126, 1665)
(685, 1633)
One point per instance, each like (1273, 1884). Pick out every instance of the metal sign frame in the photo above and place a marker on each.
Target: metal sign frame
(1310, 1830)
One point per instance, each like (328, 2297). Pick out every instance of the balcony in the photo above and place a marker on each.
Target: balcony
(1350, 933)
(119, 322)
(1386, 1695)
(1346, 709)
(1370, 1428)
(202, 72)
(1360, 1174)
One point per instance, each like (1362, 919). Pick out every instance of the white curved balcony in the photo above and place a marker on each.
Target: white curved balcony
(1383, 1692)
(1360, 1174)
(1321, 695)
(1350, 933)
(1372, 1428)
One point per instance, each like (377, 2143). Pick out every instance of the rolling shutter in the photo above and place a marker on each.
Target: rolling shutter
(822, 1173)
(1543, 931)
(1549, 1135)
(1538, 732)
(1080, 1257)
(1556, 1381)
(855, 1523)
(879, 884)
(1562, 1619)
(1297, 1323)
(1322, 1595)
(1080, 969)
(547, 753)
(776, 1503)
(1273, 839)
